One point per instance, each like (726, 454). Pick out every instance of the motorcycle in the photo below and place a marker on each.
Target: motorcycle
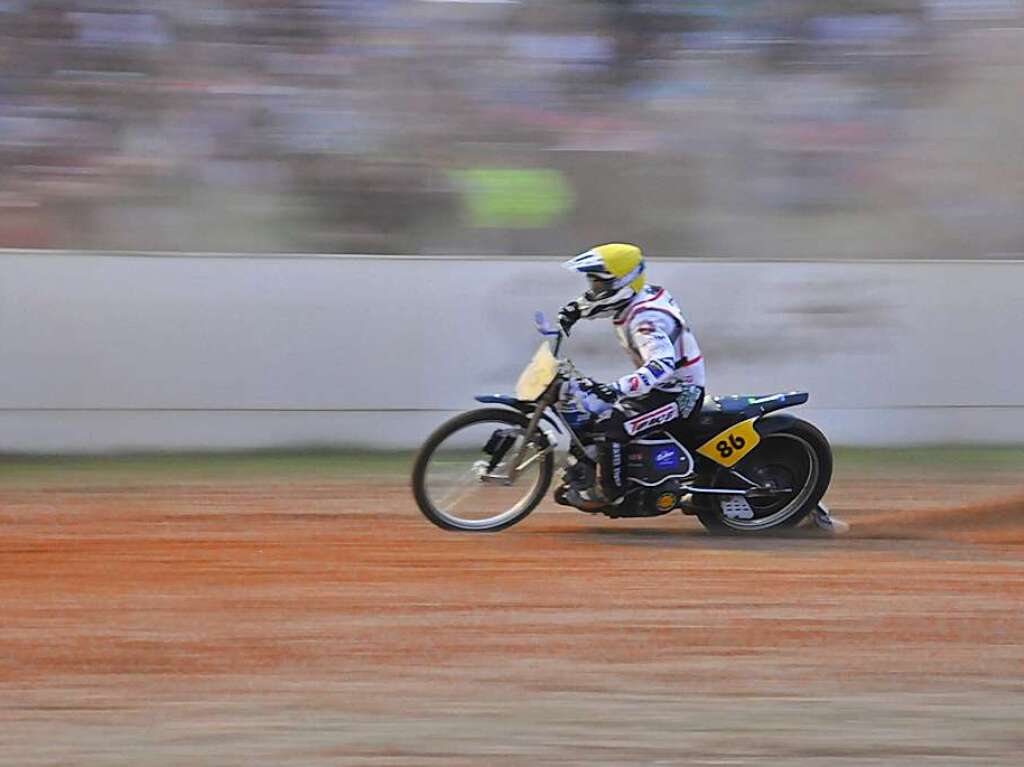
(741, 467)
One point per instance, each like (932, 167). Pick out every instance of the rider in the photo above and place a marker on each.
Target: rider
(668, 383)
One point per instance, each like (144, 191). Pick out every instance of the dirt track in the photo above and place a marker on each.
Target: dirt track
(326, 623)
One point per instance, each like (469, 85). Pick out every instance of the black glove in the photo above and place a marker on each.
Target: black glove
(568, 315)
(603, 391)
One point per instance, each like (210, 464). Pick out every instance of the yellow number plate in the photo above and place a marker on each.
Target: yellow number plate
(538, 374)
(729, 446)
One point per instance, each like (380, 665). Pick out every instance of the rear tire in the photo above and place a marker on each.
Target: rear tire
(774, 456)
(519, 512)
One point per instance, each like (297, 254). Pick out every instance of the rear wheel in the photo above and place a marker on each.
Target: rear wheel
(792, 467)
(462, 477)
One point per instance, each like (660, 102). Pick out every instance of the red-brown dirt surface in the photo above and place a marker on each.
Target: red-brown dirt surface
(320, 623)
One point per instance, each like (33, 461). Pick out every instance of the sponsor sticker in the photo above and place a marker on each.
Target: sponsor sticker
(656, 369)
(616, 449)
(663, 414)
(667, 458)
(762, 400)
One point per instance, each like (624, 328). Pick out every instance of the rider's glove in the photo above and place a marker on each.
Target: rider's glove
(603, 391)
(568, 315)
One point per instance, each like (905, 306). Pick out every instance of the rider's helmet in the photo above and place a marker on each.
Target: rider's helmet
(615, 273)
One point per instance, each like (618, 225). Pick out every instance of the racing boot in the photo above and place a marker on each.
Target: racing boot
(824, 521)
(578, 481)
(607, 487)
(584, 500)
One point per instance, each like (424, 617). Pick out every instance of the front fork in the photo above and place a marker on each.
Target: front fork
(545, 401)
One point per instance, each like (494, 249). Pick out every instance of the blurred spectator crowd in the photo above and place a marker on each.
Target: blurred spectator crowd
(738, 128)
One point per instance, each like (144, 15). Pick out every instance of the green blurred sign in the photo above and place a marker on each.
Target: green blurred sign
(514, 198)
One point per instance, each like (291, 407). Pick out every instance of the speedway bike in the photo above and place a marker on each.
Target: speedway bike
(741, 467)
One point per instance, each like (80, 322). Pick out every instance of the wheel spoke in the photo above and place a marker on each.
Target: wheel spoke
(461, 488)
(535, 457)
(463, 493)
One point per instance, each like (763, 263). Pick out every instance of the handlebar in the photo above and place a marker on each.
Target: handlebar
(545, 329)
(558, 341)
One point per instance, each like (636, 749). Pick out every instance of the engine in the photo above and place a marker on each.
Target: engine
(658, 466)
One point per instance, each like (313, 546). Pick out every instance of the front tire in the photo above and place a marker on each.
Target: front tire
(451, 477)
(796, 457)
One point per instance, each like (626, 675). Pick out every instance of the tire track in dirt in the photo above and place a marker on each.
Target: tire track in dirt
(997, 522)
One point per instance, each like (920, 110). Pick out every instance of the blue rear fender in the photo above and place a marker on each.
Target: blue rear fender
(769, 424)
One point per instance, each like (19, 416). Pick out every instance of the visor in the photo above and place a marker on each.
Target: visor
(600, 287)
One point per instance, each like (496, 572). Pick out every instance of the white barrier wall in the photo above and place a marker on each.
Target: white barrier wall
(120, 352)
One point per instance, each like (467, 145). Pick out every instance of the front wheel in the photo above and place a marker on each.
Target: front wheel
(792, 467)
(473, 473)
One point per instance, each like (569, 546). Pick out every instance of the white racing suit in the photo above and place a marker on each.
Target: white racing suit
(666, 387)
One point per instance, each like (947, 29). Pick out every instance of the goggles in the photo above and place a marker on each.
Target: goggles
(600, 287)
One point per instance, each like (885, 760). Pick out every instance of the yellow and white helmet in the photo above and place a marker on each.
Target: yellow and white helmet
(616, 274)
